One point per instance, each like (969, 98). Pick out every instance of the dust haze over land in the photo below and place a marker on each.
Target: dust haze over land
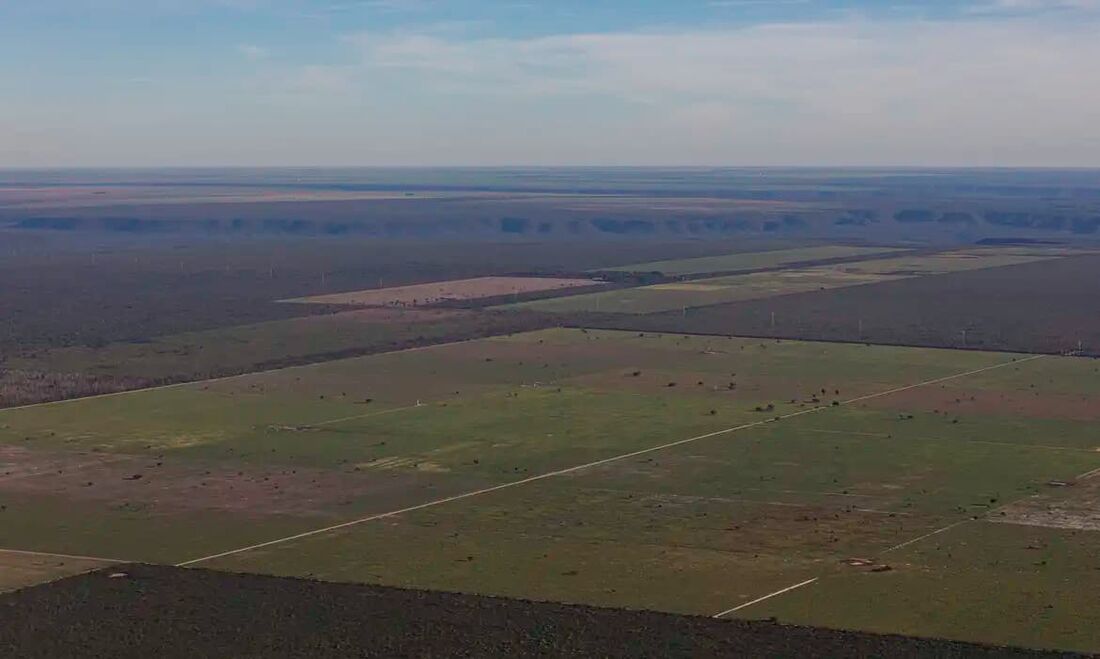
(560, 203)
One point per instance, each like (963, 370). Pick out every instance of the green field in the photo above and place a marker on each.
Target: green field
(736, 288)
(751, 260)
(79, 371)
(1019, 585)
(685, 474)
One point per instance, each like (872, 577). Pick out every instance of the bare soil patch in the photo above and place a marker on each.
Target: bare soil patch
(163, 485)
(1069, 505)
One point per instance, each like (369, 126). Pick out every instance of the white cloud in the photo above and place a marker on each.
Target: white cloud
(1015, 87)
(968, 91)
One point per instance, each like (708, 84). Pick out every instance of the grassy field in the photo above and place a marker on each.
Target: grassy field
(80, 371)
(751, 260)
(1017, 584)
(683, 474)
(721, 290)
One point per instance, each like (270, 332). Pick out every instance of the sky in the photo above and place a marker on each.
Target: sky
(549, 82)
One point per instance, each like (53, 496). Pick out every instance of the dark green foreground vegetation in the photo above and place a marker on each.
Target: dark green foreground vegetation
(166, 612)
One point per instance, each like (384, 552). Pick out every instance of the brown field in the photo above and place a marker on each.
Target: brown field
(153, 485)
(20, 569)
(1071, 505)
(461, 289)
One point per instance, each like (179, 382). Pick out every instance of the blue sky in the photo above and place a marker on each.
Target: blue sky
(478, 82)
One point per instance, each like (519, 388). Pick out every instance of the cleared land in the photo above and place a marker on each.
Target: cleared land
(1043, 306)
(682, 474)
(135, 288)
(1016, 583)
(719, 290)
(21, 569)
(81, 371)
(751, 260)
(442, 291)
(166, 612)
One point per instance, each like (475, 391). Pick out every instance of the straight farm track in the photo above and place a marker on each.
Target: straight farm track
(676, 473)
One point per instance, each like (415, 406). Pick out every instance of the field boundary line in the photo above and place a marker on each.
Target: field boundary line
(368, 415)
(75, 557)
(225, 378)
(1088, 474)
(597, 327)
(810, 581)
(926, 536)
(496, 488)
(766, 597)
(946, 378)
(589, 465)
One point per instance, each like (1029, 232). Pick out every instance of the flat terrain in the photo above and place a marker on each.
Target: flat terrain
(697, 475)
(19, 569)
(1036, 572)
(1043, 306)
(165, 612)
(563, 204)
(76, 371)
(751, 261)
(714, 291)
(434, 292)
(134, 288)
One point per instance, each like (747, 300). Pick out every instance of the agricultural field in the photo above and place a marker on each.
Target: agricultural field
(1042, 306)
(435, 292)
(720, 290)
(18, 569)
(141, 610)
(752, 260)
(80, 371)
(703, 475)
(110, 289)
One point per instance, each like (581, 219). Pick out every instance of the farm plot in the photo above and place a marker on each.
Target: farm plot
(19, 569)
(751, 260)
(1009, 584)
(721, 290)
(80, 371)
(1043, 306)
(683, 474)
(460, 289)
